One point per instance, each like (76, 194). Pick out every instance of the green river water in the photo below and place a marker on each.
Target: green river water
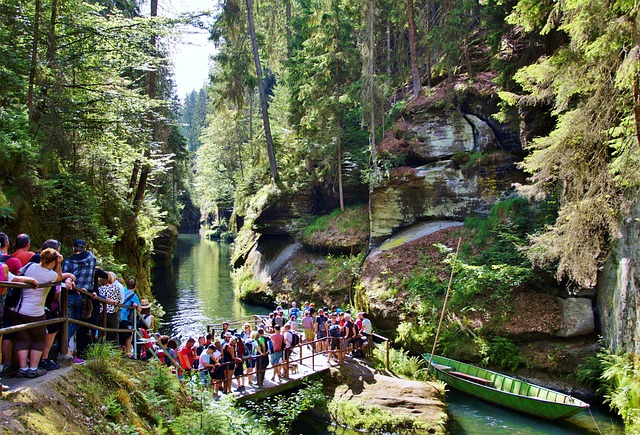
(197, 292)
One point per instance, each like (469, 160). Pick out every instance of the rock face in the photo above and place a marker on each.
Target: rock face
(163, 247)
(577, 317)
(459, 171)
(619, 288)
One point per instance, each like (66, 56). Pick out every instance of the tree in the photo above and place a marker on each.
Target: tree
(263, 96)
(415, 75)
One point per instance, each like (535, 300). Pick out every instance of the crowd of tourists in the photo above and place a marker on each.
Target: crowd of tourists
(32, 352)
(220, 360)
(245, 357)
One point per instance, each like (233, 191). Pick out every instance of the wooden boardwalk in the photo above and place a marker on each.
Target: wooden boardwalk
(311, 365)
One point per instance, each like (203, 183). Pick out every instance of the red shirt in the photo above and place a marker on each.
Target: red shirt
(278, 341)
(185, 357)
(24, 256)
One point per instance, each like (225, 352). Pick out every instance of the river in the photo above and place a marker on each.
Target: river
(197, 292)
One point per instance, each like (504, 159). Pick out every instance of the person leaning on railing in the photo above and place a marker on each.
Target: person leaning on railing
(30, 343)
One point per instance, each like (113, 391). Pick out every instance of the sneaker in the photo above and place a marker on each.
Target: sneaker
(5, 387)
(22, 373)
(9, 372)
(77, 360)
(48, 365)
(35, 373)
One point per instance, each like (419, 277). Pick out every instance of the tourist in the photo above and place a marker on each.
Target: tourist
(30, 343)
(320, 326)
(239, 370)
(308, 327)
(228, 360)
(334, 332)
(349, 333)
(263, 357)
(131, 304)
(312, 310)
(205, 365)
(81, 264)
(294, 310)
(278, 345)
(246, 331)
(249, 356)
(12, 262)
(171, 357)
(225, 329)
(6, 275)
(110, 291)
(185, 355)
(293, 323)
(217, 374)
(289, 343)
(22, 252)
(51, 311)
(149, 320)
(200, 348)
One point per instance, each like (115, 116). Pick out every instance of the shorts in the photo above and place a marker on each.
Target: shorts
(250, 363)
(218, 373)
(287, 353)
(334, 343)
(239, 370)
(308, 335)
(52, 329)
(124, 336)
(275, 358)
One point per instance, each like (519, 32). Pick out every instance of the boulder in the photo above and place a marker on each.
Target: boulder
(441, 134)
(577, 317)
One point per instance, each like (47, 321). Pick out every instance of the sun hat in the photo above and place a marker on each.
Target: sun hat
(144, 304)
(228, 334)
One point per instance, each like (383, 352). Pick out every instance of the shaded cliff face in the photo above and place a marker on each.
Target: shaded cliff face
(619, 288)
(457, 166)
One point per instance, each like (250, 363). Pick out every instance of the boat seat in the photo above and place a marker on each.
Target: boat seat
(442, 367)
(476, 379)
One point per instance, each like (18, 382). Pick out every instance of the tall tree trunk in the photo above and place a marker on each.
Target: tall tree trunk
(263, 96)
(372, 83)
(428, 44)
(388, 49)
(34, 59)
(336, 81)
(415, 75)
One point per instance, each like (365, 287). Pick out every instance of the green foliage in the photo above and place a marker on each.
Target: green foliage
(351, 219)
(279, 413)
(500, 352)
(100, 354)
(244, 282)
(372, 419)
(589, 371)
(621, 386)
(400, 362)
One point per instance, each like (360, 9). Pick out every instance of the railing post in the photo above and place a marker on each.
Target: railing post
(135, 332)
(313, 357)
(104, 319)
(387, 343)
(63, 337)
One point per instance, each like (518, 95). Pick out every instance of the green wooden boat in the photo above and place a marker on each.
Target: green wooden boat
(504, 390)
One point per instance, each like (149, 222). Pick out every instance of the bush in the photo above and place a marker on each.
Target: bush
(400, 363)
(500, 352)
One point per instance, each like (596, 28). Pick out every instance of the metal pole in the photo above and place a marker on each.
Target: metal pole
(135, 332)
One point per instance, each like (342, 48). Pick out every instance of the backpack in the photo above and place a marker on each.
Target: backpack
(248, 349)
(270, 345)
(334, 330)
(131, 309)
(295, 338)
(14, 294)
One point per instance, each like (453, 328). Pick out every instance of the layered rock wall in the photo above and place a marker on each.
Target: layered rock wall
(619, 289)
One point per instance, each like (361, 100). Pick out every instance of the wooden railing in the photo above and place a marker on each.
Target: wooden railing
(139, 339)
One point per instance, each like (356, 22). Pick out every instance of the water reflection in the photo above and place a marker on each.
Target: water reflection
(197, 290)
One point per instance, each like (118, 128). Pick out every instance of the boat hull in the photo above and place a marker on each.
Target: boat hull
(504, 390)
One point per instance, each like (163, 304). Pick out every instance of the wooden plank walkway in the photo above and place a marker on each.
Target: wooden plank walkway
(310, 366)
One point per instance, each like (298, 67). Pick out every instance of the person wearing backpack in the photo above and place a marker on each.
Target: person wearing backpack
(263, 357)
(132, 304)
(291, 339)
(248, 355)
(334, 339)
(239, 370)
